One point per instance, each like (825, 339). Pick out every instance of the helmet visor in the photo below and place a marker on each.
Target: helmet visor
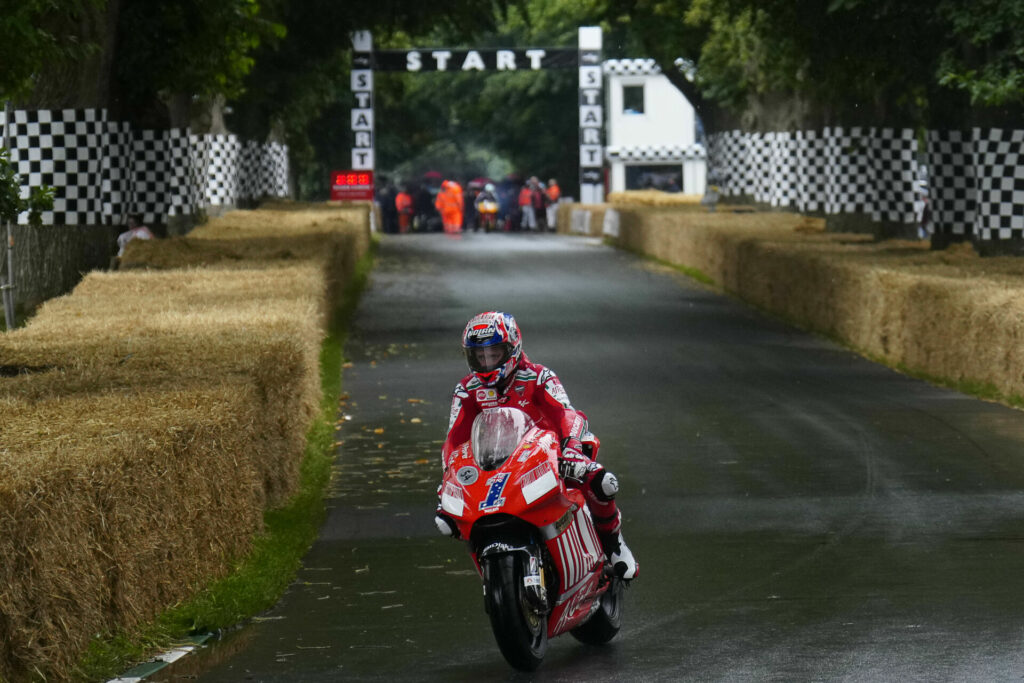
(488, 358)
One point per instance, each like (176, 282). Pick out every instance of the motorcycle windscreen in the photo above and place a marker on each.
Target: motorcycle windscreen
(496, 433)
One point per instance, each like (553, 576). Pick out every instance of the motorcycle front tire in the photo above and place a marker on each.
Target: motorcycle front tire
(521, 632)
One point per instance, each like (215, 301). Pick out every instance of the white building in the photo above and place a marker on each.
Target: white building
(651, 131)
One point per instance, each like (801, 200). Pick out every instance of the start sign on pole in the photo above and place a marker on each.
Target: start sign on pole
(348, 185)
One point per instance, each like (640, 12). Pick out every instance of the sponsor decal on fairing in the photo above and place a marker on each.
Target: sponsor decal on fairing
(538, 482)
(451, 499)
(494, 499)
(467, 475)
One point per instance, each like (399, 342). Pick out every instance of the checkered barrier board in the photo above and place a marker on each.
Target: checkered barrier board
(998, 158)
(976, 178)
(103, 170)
(838, 170)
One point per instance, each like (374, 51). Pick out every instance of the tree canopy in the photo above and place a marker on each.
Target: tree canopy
(880, 62)
(283, 67)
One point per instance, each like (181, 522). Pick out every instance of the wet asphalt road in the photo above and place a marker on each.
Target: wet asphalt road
(799, 513)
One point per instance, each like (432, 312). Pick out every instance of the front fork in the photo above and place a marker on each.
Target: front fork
(531, 562)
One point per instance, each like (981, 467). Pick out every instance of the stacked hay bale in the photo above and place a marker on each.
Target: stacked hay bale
(951, 315)
(571, 219)
(150, 417)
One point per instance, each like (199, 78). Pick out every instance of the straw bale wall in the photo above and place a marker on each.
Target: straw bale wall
(947, 314)
(148, 419)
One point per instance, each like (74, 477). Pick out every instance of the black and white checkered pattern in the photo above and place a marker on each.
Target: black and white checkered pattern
(999, 170)
(893, 163)
(952, 190)
(976, 184)
(102, 170)
(839, 170)
(655, 153)
(631, 67)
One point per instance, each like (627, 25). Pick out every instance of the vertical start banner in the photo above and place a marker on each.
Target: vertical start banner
(591, 116)
(362, 105)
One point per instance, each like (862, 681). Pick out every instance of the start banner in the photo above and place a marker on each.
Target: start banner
(484, 59)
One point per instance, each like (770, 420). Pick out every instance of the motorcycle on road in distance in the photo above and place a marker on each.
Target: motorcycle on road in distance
(531, 537)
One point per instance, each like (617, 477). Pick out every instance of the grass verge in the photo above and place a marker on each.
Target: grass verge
(692, 273)
(258, 580)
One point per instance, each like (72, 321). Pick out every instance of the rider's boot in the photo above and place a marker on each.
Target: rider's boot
(620, 556)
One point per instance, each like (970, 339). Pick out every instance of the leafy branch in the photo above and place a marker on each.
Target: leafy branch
(12, 204)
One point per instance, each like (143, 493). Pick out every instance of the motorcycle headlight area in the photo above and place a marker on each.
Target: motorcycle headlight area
(451, 500)
(538, 482)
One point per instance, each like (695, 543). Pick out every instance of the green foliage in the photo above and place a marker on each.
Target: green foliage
(489, 123)
(883, 62)
(298, 88)
(198, 47)
(11, 202)
(988, 61)
(35, 34)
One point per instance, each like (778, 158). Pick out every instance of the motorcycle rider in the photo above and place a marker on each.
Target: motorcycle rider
(502, 375)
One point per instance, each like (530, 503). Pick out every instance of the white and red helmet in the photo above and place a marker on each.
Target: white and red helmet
(493, 347)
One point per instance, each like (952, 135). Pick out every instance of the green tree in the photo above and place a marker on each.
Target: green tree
(987, 61)
(12, 204)
(180, 51)
(516, 121)
(783, 63)
(34, 35)
(299, 87)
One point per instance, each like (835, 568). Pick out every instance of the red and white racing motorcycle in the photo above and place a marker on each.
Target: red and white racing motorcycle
(531, 537)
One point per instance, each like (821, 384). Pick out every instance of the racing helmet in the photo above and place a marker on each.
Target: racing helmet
(493, 346)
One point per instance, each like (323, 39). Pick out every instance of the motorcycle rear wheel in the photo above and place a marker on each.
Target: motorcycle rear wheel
(604, 623)
(521, 632)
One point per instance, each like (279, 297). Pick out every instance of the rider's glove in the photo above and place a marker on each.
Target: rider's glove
(573, 465)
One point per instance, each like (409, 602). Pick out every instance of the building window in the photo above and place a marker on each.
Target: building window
(632, 99)
(664, 177)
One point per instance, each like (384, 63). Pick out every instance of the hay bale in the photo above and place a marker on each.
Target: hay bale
(654, 198)
(150, 417)
(948, 314)
(104, 526)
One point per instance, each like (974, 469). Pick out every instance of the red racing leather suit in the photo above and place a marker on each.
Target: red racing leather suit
(537, 391)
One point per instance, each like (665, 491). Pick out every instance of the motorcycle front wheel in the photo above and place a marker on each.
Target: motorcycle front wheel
(521, 631)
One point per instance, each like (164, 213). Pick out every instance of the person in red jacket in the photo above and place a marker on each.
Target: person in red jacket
(502, 375)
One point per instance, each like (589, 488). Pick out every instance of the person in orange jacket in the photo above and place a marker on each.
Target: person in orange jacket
(554, 193)
(529, 217)
(403, 204)
(449, 205)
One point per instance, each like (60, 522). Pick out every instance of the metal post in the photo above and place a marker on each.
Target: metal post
(8, 288)
(9, 315)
